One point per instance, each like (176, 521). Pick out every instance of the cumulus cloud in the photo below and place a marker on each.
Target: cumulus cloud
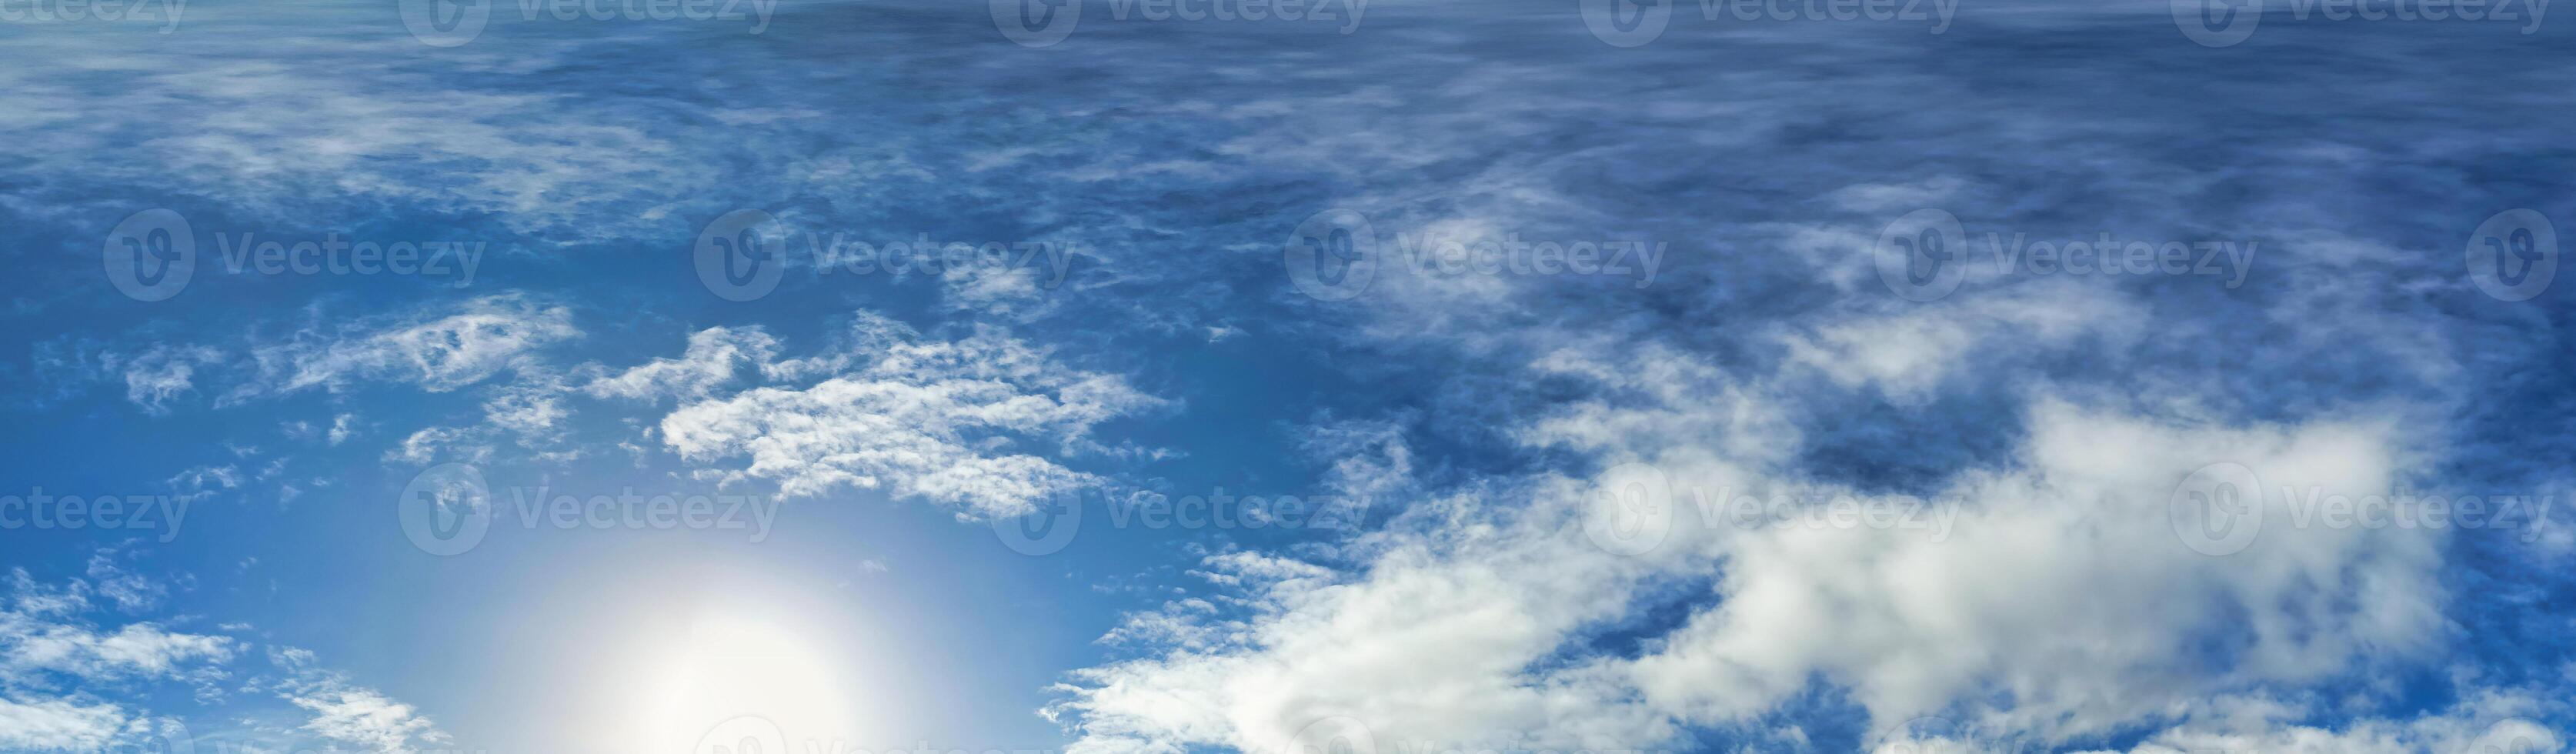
(2061, 602)
(923, 418)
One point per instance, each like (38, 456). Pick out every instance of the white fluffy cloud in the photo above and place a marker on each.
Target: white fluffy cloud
(2059, 602)
(56, 724)
(2063, 588)
(944, 421)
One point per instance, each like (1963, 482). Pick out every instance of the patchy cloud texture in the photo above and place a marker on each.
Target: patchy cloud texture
(1550, 460)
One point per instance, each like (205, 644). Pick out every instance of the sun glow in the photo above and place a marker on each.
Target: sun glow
(729, 662)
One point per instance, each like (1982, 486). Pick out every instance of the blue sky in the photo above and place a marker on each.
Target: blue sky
(1398, 376)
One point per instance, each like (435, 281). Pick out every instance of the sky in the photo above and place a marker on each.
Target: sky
(1286, 376)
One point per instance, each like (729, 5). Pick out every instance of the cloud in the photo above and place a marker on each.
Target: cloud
(56, 724)
(929, 419)
(439, 349)
(131, 591)
(2501, 721)
(711, 361)
(203, 481)
(54, 663)
(163, 373)
(43, 639)
(1906, 355)
(2061, 603)
(363, 718)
